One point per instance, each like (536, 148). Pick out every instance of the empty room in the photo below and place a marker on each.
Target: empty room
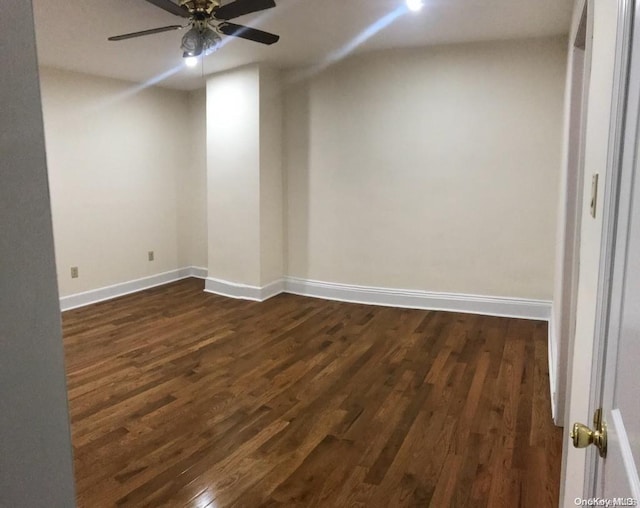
(342, 253)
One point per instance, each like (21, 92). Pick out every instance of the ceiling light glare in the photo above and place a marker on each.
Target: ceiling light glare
(191, 61)
(415, 5)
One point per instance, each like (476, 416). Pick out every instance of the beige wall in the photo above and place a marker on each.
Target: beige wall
(431, 169)
(233, 164)
(192, 188)
(244, 168)
(113, 158)
(271, 177)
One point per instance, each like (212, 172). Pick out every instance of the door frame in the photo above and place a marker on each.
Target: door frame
(562, 325)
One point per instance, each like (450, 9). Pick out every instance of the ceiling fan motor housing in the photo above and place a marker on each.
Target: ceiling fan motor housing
(200, 6)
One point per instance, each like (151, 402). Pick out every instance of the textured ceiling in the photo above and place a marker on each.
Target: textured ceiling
(72, 34)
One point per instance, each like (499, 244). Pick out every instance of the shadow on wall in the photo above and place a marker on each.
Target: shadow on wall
(297, 161)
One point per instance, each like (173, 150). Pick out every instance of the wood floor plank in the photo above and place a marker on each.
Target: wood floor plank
(182, 398)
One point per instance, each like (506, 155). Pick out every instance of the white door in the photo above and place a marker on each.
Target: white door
(614, 478)
(617, 475)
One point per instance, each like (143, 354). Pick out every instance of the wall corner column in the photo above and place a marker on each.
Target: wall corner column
(244, 183)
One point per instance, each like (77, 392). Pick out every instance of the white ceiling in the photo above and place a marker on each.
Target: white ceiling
(72, 34)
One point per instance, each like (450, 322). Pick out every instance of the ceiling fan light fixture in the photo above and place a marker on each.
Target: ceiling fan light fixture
(192, 43)
(198, 41)
(210, 41)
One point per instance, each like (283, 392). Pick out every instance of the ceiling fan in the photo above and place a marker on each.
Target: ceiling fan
(208, 20)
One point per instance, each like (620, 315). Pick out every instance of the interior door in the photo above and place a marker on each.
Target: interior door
(616, 475)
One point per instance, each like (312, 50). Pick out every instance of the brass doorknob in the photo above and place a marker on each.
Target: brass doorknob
(583, 436)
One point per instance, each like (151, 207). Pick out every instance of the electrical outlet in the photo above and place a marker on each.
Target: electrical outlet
(151, 255)
(74, 272)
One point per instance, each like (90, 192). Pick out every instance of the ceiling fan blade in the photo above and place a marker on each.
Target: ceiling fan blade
(242, 7)
(145, 32)
(248, 33)
(169, 6)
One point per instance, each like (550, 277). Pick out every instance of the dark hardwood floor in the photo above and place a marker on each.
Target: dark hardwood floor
(181, 398)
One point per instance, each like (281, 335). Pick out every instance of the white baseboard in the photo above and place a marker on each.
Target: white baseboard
(243, 291)
(405, 298)
(125, 288)
(417, 299)
(198, 272)
(273, 289)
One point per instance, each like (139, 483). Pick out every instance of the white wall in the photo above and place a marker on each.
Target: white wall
(114, 154)
(430, 169)
(271, 177)
(233, 165)
(36, 466)
(192, 188)
(245, 182)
